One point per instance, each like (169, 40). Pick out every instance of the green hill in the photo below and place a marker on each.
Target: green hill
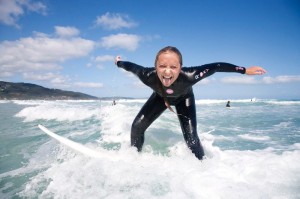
(26, 91)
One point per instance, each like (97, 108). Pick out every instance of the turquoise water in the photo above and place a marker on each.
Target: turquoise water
(252, 151)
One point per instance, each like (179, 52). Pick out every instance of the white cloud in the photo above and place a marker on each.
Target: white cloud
(6, 74)
(114, 21)
(98, 61)
(104, 58)
(11, 10)
(264, 80)
(66, 31)
(59, 80)
(88, 85)
(44, 76)
(240, 80)
(40, 77)
(124, 41)
(41, 52)
(54, 78)
(281, 79)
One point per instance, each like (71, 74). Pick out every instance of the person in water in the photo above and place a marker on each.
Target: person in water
(172, 85)
(228, 104)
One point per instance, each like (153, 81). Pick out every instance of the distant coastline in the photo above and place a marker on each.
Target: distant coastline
(27, 91)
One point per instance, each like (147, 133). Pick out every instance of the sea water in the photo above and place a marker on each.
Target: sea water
(252, 151)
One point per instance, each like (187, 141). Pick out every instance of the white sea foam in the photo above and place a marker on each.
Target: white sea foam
(276, 102)
(289, 103)
(116, 122)
(55, 113)
(30, 102)
(254, 137)
(59, 111)
(230, 174)
(132, 100)
(283, 125)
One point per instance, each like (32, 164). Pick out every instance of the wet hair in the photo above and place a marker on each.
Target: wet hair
(169, 49)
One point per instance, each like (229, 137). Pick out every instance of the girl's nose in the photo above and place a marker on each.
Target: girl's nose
(167, 71)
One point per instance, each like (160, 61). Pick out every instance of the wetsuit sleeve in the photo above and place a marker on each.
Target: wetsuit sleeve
(226, 67)
(197, 73)
(143, 73)
(130, 67)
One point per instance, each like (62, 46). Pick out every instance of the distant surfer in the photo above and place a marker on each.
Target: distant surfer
(228, 104)
(114, 102)
(172, 85)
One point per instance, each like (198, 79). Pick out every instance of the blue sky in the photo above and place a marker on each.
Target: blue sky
(71, 45)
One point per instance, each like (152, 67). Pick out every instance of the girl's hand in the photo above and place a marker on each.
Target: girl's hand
(118, 58)
(255, 70)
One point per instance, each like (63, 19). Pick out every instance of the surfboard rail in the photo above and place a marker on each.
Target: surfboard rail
(74, 145)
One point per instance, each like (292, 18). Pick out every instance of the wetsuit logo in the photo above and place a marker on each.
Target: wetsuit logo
(201, 74)
(169, 91)
(239, 68)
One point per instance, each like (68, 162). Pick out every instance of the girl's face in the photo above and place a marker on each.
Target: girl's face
(168, 68)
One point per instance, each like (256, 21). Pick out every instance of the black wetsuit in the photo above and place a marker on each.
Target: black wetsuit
(180, 94)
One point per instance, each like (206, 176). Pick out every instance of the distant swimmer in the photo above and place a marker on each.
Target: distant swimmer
(114, 102)
(228, 104)
(172, 85)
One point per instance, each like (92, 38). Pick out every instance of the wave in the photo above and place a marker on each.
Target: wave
(283, 102)
(254, 137)
(51, 110)
(132, 100)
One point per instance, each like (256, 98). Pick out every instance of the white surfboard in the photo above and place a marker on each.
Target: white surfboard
(77, 146)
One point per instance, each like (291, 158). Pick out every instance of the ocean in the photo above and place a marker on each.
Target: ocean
(252, 151)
